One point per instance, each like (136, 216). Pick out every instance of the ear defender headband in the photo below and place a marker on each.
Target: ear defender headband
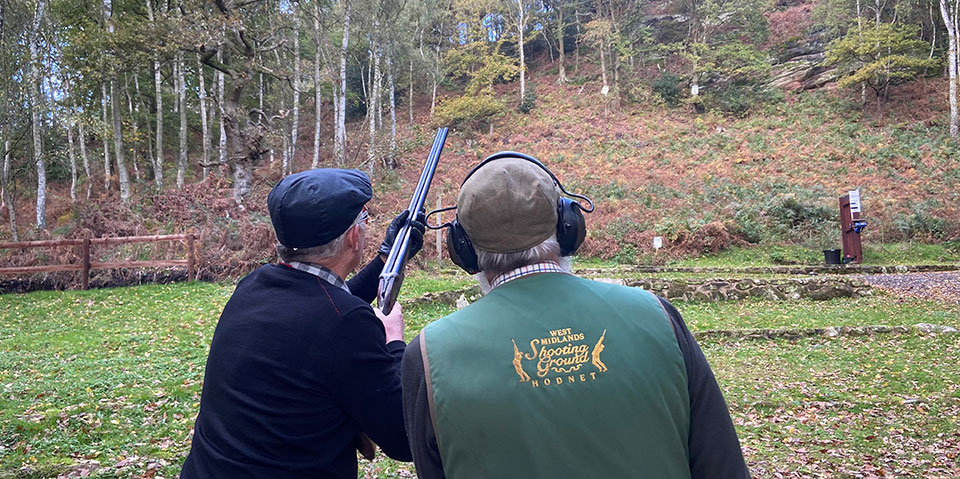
(571, 226)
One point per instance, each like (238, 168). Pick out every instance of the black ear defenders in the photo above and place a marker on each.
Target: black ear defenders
(571, 226)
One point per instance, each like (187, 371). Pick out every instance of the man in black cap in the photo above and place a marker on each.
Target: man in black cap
(301, 368)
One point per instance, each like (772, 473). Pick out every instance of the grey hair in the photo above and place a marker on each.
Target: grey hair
(313, 254)
(493, 264)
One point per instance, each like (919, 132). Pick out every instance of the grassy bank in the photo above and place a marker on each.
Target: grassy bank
(109, 381)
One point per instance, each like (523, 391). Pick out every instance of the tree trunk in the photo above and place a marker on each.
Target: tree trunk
(182, 95)
(158, 161)
(576, 53)
(122, 177)
(243, 146)
(133, 124)
(562, 71)
(603, 65)
(285, 135)
(204, 124)
(34, 91)
(436, 76)
(391, 155)
(410, 94)
(86, 161)
(220, 111)
(295, 128)
(318, 103)
(106, 147)
(134, 107)
(373, 102)
(521, 23)
(7, 194)
(340, 144)
(951, 67)
(73, 162)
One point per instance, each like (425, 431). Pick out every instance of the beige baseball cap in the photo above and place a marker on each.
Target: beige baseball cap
(508, 205)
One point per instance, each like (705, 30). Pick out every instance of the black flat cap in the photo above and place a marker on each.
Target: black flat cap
(314, 207)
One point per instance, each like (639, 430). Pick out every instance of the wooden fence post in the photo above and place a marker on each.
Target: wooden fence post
(85, 274)
(191, 263)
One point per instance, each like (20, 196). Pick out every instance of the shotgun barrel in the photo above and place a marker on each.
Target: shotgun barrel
(392, 276)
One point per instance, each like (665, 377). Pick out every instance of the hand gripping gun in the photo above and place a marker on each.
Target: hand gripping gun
(392, 276)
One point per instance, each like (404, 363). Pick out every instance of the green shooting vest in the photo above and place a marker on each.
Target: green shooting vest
(555, 376)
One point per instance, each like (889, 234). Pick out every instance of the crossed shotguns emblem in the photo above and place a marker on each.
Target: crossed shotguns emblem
(594, 354)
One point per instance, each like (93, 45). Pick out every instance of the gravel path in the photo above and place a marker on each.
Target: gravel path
(945, 286)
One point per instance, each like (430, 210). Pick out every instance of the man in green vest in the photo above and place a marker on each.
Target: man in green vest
(550, 375)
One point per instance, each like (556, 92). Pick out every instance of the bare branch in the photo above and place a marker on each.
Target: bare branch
(208, 58)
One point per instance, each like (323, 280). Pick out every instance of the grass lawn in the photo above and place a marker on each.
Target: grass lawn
(108, 381)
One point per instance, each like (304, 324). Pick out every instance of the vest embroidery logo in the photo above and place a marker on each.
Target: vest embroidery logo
(560, 357)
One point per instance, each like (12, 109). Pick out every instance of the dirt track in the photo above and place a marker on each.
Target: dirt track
(944, 285)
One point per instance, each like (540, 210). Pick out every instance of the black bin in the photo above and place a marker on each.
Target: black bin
(831, 256)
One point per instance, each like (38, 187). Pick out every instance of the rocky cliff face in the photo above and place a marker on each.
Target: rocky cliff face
(800, 65)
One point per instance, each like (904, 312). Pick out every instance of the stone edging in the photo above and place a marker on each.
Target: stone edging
(736, 289)
(702, 290)
(829, 332)
(805, 270)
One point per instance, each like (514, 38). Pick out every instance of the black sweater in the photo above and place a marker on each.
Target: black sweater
(297, 369)
(714, 449)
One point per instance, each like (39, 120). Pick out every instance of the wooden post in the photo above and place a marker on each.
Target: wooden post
(191, 264)
(439, 234)
(85, 274)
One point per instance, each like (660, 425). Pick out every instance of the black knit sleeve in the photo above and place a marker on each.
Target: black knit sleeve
(416, 414)
(367, 381)
(364, 284)
(714, 447)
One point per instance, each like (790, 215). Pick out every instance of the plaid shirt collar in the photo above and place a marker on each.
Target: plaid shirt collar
(320, 272)
(536, 268)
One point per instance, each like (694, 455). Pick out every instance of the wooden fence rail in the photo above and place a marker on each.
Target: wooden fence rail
(86, 265)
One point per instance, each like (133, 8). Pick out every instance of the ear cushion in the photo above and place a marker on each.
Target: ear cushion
(571, 226)
(461, 249)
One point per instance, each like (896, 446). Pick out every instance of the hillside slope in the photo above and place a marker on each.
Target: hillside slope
(703, 182)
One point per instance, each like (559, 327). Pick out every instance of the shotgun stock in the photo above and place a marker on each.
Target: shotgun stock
(392, 275)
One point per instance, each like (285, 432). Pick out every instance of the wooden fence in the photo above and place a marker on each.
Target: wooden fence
(86, 265)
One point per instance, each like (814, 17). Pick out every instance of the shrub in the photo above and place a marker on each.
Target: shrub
(922, 221)
(738, 100)
(792, 212)
(668, 88)
(468, 112)
(528, 103)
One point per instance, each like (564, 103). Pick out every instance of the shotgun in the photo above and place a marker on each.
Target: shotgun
(392, 276)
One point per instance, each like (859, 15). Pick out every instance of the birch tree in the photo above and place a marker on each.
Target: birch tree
(391, 154)
(35, 106)
(83, 157)
(158, 161)
(520, 17)
(949, 13)
(122, 177)
(373, 98)
(204, 124)
(182, 99)
(340, 140)
(222, 144)
(73, 159)
(294, 129)
(318, 99)
(106, 147)
(7, 194)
